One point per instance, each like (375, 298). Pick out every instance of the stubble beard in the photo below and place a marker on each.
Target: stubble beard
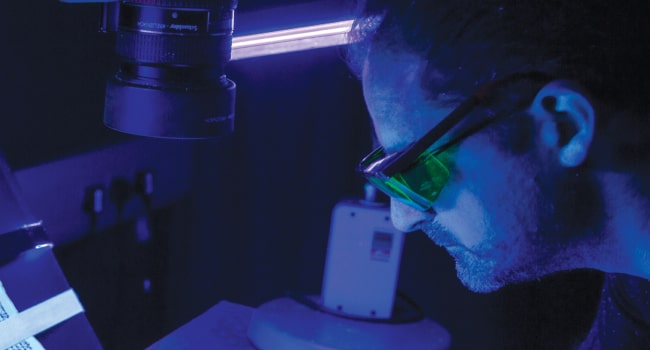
(533, 251)
(476, 269)
(523, 253)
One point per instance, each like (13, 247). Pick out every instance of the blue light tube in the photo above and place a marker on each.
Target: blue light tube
(291, 40)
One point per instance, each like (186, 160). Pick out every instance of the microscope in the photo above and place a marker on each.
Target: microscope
(167, 87)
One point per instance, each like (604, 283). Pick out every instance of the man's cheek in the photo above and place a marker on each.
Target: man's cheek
(466, 219)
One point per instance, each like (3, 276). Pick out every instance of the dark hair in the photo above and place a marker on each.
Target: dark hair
(599, 44)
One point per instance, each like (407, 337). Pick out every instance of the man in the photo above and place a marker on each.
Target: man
(515, 134)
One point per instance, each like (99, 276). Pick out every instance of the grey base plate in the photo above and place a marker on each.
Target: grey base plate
(286, 324)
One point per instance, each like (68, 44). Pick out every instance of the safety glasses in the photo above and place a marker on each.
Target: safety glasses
(416, 174)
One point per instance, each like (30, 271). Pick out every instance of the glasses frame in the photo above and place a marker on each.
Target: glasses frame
(391, 164)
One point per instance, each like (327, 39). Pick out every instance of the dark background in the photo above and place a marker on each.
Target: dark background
(254, 220)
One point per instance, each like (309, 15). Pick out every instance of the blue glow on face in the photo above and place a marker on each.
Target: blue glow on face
(488, 218)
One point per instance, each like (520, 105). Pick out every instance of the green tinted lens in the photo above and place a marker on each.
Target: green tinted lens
(417, 186)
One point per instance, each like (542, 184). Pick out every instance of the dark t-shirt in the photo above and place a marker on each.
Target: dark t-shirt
(623, 318)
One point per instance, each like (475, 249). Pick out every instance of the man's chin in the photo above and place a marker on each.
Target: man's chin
(477, 276)
(477, 284)
(486, 275)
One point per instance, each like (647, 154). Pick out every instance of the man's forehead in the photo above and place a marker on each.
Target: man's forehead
(401, 110)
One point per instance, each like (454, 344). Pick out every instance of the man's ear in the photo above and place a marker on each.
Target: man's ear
(567, 118)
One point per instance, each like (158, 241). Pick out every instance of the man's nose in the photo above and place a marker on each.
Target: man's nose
(406, 218)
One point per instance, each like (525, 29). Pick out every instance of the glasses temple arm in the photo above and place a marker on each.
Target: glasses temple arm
(421, 145)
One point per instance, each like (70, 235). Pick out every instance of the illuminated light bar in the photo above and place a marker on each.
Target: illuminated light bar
(291, 40)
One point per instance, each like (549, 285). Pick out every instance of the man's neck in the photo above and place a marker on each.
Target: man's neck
(626, 244)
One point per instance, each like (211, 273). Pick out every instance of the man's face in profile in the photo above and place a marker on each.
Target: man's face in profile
(495, 215)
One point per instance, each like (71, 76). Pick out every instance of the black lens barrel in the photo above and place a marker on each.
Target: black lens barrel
(171, 82)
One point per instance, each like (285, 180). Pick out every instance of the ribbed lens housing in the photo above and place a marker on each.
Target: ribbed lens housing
(171, 82)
